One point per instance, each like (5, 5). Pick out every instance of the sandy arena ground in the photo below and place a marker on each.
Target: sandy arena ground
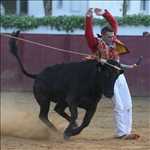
(22, 130)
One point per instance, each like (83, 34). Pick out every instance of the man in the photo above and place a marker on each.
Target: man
(107, 46)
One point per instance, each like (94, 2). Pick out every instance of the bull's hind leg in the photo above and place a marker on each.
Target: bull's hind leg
(44, 109)
(43, 100)
(60, 109)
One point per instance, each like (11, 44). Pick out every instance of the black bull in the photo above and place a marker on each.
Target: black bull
(73, 85)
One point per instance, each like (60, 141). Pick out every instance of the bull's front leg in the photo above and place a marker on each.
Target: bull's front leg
(74, 114)
(87, 118)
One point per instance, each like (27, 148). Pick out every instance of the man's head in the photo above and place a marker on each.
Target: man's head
(107, 34)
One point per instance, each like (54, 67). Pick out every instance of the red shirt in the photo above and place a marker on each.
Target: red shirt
(99, 45)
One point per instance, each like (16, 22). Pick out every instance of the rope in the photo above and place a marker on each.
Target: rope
(55, 48)
(46, 46)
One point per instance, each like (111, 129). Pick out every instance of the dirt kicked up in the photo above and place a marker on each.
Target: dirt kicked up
(22, 130)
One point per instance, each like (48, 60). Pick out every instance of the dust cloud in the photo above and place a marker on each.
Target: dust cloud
(19, 117)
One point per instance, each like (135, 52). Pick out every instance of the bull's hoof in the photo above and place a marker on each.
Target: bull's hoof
(67, 136)
(75, 125)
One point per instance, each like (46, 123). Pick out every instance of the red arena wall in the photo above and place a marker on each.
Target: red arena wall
(35, 58)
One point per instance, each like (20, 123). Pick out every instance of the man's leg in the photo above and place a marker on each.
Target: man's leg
(120, 124)
(128, 119)
(123, 108)
(119, 117)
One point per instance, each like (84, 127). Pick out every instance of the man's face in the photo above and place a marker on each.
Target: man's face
(108, 37)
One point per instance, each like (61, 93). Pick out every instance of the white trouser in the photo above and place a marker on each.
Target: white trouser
(122, 107)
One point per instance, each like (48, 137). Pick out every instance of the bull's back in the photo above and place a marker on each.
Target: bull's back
(64, 77)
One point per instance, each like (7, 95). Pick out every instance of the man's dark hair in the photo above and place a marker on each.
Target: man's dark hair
(106, 29)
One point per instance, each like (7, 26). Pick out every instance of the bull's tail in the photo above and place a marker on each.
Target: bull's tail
(14, 50)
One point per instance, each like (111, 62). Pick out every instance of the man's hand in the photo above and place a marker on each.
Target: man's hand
(98, 11)
(134, 65)
(89, 13)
